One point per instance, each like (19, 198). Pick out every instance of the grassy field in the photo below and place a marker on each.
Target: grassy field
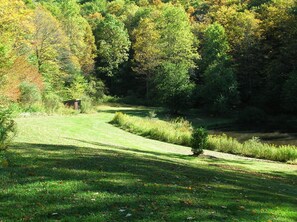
(80, 168)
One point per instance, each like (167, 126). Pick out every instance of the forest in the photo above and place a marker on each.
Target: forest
(219, 55)
(148, 110)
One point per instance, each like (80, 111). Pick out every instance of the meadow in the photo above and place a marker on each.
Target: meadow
(81, 168)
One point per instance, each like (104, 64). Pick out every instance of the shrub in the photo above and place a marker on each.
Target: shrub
(199, 141)
(35, 108)
(182, 124)
(63, 110)
(30, 94)
(173, 87)
(78, 87)
(52, 102)
(7, 128)
(118, 119)
(109, 99)
(3, 160)
(96, 89)
(86, 104)
(4, 100)
(15, 108)
(152, 114)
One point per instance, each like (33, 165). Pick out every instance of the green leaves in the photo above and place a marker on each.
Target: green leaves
(177, 39)
(216, 45)
(7, 128)
(164, 52)
(173, 86)
(219, 91)
(113, 44)
(147, 48)
(199, 141)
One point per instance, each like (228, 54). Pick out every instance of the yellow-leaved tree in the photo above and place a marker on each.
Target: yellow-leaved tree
(147, 51)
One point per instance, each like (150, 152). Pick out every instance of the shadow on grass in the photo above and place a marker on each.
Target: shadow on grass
(56, 182)
(171, 155)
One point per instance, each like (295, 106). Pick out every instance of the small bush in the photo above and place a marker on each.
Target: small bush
(67, 111)
(109, 99)
(199, 141)
(173, 86)
(86, 104)
(152, 114)
(30, 94)
(182, 124)
(15, 108)
(7, 128)
(34, 108)
(96, 89)
(4, 100)
(118, 119)
(52, 102)
(78, 87)
(3, 161)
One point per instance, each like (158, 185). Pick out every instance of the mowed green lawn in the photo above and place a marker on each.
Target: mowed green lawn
(80, 168)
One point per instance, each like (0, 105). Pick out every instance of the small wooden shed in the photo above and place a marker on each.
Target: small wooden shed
(73, 103)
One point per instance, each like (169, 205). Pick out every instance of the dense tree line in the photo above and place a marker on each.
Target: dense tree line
(217, 54)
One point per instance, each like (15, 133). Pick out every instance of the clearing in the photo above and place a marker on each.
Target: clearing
(80, 168)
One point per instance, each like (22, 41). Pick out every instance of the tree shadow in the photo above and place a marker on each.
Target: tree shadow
(58, 182)
(171, 155)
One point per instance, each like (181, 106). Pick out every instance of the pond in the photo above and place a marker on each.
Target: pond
(277, 138)
(227, 126)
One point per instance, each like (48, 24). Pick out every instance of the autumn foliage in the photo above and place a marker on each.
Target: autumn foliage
(21, 71)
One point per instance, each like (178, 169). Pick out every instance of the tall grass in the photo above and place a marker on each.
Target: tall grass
(253, 148)
(180, 132)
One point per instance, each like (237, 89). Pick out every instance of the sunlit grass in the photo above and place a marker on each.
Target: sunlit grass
(80, 168)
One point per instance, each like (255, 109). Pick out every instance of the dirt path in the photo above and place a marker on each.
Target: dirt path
(229, 156)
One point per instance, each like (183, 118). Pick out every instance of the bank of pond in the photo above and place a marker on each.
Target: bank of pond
(179, 131)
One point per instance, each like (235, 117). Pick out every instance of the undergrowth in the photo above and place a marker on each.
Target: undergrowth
(180, 132)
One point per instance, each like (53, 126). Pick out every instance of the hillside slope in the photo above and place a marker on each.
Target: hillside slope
(80, 168)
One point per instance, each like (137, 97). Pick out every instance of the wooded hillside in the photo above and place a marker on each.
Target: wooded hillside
(217, 54)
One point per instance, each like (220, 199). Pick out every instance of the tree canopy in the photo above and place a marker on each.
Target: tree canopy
(230, 53)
